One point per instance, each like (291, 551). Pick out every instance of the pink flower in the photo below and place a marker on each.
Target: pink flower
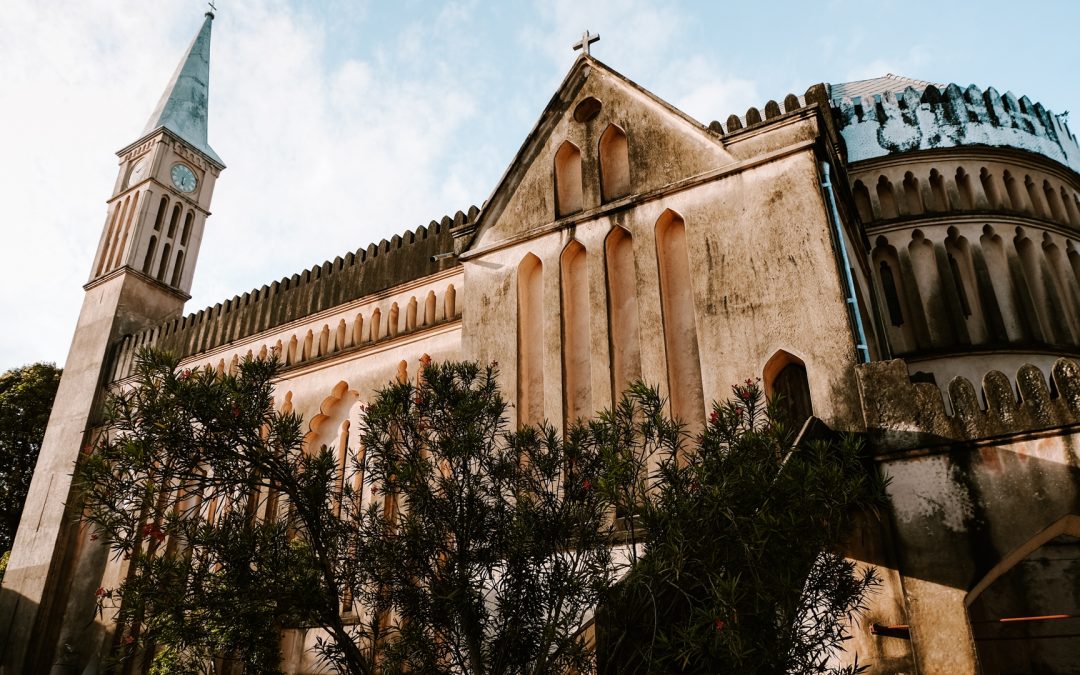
(100, 591)
(714, 418)
(587, 484)
(185, 374)
(719, 624)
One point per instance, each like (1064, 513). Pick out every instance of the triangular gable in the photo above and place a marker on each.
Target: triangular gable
(665, 146)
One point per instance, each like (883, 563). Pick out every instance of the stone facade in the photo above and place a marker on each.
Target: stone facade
(809, 243)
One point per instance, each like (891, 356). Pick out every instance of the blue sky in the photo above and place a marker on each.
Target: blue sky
(346, 122)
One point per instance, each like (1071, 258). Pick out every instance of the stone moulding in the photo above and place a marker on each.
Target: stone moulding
(902, 415)
(892, 122)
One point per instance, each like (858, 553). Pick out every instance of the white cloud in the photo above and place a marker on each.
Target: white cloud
(643, 39)
(325, 152)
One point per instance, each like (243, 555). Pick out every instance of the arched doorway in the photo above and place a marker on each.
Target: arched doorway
(1025, 614)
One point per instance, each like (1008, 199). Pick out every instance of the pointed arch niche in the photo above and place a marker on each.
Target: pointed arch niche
(680, 329)
(568, 192)
(530, 336)
(785, 376)
(622, 311)
(614, 153)
(577, 358)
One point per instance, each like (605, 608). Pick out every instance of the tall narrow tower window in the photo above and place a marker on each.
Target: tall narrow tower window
(186, 232)
(178, 269)
(148, 262)
(164, 262)
(173, 221)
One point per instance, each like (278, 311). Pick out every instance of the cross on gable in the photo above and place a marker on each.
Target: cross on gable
(586, 40)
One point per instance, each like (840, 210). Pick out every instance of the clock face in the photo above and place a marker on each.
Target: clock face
(183, 178)
(138, 172)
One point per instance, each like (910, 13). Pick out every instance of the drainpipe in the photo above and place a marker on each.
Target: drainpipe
(854, 316)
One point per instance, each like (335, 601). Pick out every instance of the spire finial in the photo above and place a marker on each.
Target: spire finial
(586, 40)
(213, 9)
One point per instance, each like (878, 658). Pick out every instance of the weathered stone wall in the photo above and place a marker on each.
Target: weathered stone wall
(969, 489)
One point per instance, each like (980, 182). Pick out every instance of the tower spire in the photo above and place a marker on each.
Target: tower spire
(183, 106)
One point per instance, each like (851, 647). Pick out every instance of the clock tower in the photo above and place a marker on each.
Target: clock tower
(140, 276)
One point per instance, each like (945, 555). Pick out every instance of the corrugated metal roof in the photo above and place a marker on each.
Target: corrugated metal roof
(878, 85)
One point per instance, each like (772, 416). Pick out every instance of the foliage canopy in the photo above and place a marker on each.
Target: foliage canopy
(26, 398)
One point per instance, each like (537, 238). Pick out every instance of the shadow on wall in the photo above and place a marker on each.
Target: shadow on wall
(980, 502)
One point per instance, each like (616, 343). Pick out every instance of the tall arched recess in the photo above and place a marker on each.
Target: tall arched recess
(577, 357)
(568, 191)
(530, 340)
(785, 376)
(680, 329)
(622, 311)
(614, 154)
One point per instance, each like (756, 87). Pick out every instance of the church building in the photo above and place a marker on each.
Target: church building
(899, 258)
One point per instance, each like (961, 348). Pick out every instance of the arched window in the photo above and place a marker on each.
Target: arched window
(614, 164)
(785, 378)
(577, 356)
(160, 214)
(900, 324)
(110, 235)
(178, 269)
(186, 232)
(622, 311)
(568, 191)
(148, 262)
(530, 340)
(892, 293)
(164, 262)
(122, 235)
(173, 221)
(680, 328)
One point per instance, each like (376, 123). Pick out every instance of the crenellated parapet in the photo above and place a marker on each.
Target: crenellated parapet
(893, 122)
(903, 415)
(416, 254)
(771, 110)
